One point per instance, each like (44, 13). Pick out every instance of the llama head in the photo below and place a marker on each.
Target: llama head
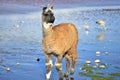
(48, 15)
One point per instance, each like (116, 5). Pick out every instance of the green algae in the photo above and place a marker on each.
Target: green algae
(115, 74)
(94, 74)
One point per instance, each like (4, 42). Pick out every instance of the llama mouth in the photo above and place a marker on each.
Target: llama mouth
(50, 24)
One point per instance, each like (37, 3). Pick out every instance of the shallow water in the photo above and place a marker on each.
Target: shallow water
(20, 42)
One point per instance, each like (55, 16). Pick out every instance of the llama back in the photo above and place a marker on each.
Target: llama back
(66, 36)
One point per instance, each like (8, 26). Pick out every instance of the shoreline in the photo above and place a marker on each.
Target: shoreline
(24, 8)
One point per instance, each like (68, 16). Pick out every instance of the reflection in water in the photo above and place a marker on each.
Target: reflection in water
(102, 23)
(61, 77)
(67, 78)
(86, 32)
(101, 37)
(86, 27)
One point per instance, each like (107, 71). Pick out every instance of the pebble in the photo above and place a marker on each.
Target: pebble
(8, 70)
(97, 61)
(98, 53)
(37, 59)
(95, 67)
(17, 64)
(102, 66)
(106, 53)
(88, 62)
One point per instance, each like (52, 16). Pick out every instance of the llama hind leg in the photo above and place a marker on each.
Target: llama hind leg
(67, 57)
(74, 61)
(48, 66)
(58, 66)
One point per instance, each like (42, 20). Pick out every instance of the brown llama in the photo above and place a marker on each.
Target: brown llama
(59, 41)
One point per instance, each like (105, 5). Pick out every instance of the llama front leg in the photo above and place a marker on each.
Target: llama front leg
(48, 66)
(58, 66)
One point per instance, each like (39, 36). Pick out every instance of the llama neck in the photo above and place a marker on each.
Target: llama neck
(47, 29)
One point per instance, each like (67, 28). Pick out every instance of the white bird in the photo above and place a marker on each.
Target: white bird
(102, 23)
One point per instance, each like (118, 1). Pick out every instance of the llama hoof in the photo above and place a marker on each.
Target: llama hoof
(66, 75)
(72, 71)
(61, 78)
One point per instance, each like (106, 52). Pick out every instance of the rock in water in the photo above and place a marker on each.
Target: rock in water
(37, 59)
(8, 70)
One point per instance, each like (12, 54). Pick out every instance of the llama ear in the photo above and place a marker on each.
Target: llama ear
(51, 6)
(41, 6)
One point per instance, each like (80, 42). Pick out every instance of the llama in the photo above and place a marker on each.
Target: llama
(59, 41)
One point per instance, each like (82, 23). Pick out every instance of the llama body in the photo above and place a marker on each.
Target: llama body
(60, 41)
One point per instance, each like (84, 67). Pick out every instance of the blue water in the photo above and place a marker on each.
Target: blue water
(21, 36)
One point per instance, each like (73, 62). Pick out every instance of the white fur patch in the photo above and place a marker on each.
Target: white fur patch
(72, 70)
(47, 25)
(49, 9)
(48, 75)
(50, 62)
(58, 64)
